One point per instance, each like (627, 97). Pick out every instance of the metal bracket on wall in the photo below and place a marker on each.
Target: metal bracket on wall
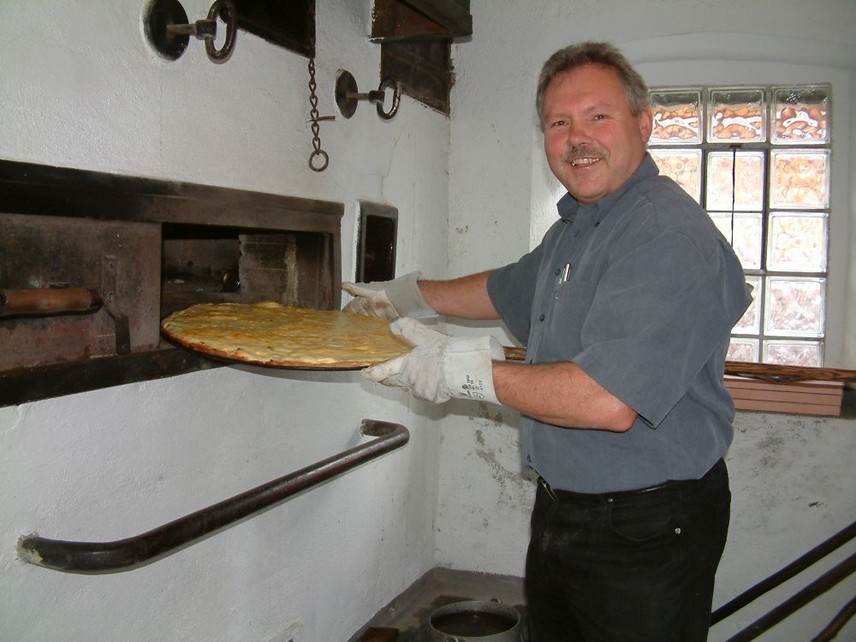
(348, 96)
(110, 297)
(168, 30)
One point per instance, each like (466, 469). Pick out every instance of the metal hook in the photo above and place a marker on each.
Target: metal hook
(347, 96)
(169, 31)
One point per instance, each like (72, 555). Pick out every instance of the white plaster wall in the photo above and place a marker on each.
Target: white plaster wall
(80, 87)
(792, 476)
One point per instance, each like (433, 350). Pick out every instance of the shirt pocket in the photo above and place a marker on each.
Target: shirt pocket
(567, 312)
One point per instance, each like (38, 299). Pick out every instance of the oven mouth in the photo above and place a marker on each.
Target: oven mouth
(93, 261)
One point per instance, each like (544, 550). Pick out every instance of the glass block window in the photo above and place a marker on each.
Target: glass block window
(758, 160)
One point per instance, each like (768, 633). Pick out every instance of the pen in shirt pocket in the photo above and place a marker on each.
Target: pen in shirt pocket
(564, 274)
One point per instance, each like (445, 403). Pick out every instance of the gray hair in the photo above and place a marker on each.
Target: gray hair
(593, 53)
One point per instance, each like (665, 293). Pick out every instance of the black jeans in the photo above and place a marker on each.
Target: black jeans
(626, 566)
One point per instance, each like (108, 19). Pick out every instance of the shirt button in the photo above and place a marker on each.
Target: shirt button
(558, 271)
(542, 317)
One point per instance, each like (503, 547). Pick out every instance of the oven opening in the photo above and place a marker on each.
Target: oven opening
(91, 262)
(217, 264)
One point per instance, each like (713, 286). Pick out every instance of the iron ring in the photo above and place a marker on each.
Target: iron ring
(226, 10)
(396, 98)
(325, 160)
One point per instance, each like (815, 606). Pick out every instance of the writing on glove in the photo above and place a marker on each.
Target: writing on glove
(440, 367)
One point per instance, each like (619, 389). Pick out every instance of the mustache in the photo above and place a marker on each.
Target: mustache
(583, 151)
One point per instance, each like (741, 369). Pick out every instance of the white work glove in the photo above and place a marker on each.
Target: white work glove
(388, 300)
(440, 367)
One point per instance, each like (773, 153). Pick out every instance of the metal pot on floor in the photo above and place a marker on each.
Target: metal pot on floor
(475, 621)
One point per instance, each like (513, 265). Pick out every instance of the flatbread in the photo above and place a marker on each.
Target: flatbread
(276, 335)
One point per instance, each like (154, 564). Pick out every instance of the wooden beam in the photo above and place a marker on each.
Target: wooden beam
(452, 14)
(396, 20)
(769, 371)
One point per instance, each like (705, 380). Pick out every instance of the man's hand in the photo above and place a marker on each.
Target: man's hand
(440, 367)
(388, 300)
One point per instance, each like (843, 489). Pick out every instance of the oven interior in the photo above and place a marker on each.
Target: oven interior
(91, 262)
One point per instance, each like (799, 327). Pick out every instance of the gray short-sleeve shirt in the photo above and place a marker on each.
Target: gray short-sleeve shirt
(641, 291)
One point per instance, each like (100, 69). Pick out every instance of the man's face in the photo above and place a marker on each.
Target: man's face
(592, 141)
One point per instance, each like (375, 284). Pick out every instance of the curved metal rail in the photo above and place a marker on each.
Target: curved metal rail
(822, 584)
(794, 568)
(816, 588)
(133, 552)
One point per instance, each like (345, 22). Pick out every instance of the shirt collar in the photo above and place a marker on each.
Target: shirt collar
(569, 207)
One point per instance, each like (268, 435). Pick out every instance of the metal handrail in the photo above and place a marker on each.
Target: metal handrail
(837, 623)
(822, 584)
(133, 552)
(797, 566)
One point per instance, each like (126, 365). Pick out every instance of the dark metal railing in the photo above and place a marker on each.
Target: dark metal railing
(797, 566)
(837, 623)
(133, 552)
(798, 600)
(819, 586)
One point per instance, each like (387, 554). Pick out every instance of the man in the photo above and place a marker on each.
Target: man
(625, 308)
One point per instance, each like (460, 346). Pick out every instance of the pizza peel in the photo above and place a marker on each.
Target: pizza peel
(378, 344)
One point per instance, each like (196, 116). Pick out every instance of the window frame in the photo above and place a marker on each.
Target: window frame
(703, 96)
(757, 60)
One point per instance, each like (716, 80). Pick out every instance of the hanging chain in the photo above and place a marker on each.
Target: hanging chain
(319, 159)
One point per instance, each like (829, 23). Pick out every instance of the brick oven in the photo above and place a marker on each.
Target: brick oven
(91, 262)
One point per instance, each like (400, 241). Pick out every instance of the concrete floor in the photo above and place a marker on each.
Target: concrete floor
(405, 619)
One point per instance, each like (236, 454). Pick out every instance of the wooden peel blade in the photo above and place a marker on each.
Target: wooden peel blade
(768, 371)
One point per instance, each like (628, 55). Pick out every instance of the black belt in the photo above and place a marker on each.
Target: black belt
(569, 495)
